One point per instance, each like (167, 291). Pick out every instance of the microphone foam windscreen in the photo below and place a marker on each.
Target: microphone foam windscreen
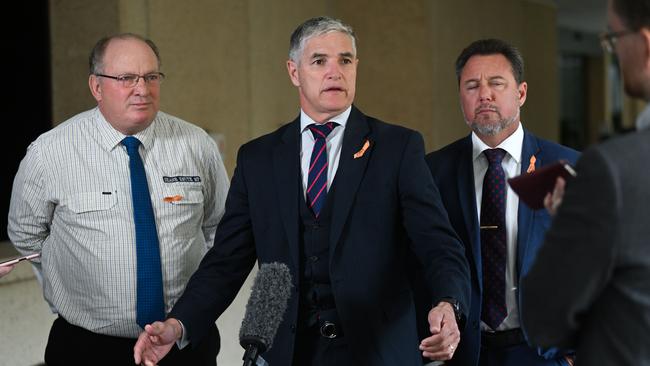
(267, 303)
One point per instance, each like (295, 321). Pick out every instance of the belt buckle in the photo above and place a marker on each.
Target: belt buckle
(328, 330)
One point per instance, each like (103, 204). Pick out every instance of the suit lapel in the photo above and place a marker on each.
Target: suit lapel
(349, 173)
(286, 160)
(525, 214)
(467, 199)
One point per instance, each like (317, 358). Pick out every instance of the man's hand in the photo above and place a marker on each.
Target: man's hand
(445, 334)
(6, 269)
(552, 201)
(156, 341)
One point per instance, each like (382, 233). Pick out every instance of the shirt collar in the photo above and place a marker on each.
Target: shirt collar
(112, 137)
(512, 145)
(341, 119)
(643, 121)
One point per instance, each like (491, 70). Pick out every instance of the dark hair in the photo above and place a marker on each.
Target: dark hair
(316, 27)
(492, 46)
(96, 59)
(635, 14)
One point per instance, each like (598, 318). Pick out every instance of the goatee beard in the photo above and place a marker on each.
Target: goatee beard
(491, 129)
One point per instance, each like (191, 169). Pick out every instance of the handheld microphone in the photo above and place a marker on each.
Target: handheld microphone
(264, 310)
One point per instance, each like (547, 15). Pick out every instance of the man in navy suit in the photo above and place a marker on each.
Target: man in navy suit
(499, 247)
(345, 238)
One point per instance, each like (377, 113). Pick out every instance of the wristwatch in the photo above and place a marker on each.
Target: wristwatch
(460, 317)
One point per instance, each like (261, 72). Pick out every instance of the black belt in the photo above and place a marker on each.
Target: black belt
(501, 339)
(325, 322)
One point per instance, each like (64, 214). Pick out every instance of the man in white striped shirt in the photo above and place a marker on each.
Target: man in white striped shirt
(72, 202)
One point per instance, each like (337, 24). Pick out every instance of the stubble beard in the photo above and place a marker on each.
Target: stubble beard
(491, 128)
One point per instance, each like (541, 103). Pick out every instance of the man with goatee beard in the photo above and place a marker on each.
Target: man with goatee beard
(500, 234)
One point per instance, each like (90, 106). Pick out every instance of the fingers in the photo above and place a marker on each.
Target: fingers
(552, 201)
(144, 350)
(445, 334)
(5, 269)
(440, 346)
(435, 320)
(444, 355)
(139, 347)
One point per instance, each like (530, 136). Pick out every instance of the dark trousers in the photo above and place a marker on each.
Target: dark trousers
(516, 355)
(70, 345)
(312, 349)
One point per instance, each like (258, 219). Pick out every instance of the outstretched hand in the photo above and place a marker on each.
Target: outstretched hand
(156, 341)
(445, 334)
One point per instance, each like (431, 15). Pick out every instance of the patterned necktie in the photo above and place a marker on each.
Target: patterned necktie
(317, 177)
(150, 301)
(493, 240)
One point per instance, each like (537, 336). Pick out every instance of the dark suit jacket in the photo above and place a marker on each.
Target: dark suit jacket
(385, 206)
(596, 260)
(452, 170)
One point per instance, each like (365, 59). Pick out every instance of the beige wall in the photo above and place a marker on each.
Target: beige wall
(225, 60)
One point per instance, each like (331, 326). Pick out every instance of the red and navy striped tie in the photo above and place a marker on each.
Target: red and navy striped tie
(317, 181)
(493, 240)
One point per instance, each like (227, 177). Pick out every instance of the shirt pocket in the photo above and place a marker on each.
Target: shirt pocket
(90, 217)
(183, 196)
(91, 201)
(181, 213)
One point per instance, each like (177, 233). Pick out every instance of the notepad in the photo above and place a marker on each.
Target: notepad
(532, 187)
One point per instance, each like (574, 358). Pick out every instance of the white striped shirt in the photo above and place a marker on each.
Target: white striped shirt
(71, 201)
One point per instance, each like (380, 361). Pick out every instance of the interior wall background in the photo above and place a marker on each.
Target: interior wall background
(226, 60)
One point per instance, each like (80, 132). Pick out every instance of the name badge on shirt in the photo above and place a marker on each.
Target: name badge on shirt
(182, 179)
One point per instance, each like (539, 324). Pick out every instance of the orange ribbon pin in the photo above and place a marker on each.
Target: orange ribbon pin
(360, 153)
(531, 165)
(171, 199)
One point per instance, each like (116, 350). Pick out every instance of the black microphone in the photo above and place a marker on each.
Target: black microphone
(264, 310)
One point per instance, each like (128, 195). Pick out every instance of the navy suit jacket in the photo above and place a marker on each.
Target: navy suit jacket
(385, 207)
(453, 173)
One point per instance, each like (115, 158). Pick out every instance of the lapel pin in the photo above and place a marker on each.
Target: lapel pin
(360, 153)
(531, 165)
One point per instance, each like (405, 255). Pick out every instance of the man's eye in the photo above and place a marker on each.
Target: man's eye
(127, 78)
(347, 61)
(319, 61)
(151, 77)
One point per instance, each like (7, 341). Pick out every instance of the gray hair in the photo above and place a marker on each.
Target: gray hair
(316, 27)
(96, 59)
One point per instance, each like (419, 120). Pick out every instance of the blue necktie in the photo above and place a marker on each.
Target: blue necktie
(150, 301)
(317, 177)
(493, 240)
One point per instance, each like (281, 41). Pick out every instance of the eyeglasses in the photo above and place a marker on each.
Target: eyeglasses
(608, 40)
(131, 80)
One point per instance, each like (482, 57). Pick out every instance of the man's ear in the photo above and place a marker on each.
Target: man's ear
(645, 36)
(292, 69)
(95, 88)
(523, 92)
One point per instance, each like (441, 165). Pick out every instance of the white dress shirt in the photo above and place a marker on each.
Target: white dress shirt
(512, 167)
(643, 120)
(334, 142)
(71, 201)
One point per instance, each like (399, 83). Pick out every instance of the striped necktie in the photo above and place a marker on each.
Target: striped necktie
(317, 176)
